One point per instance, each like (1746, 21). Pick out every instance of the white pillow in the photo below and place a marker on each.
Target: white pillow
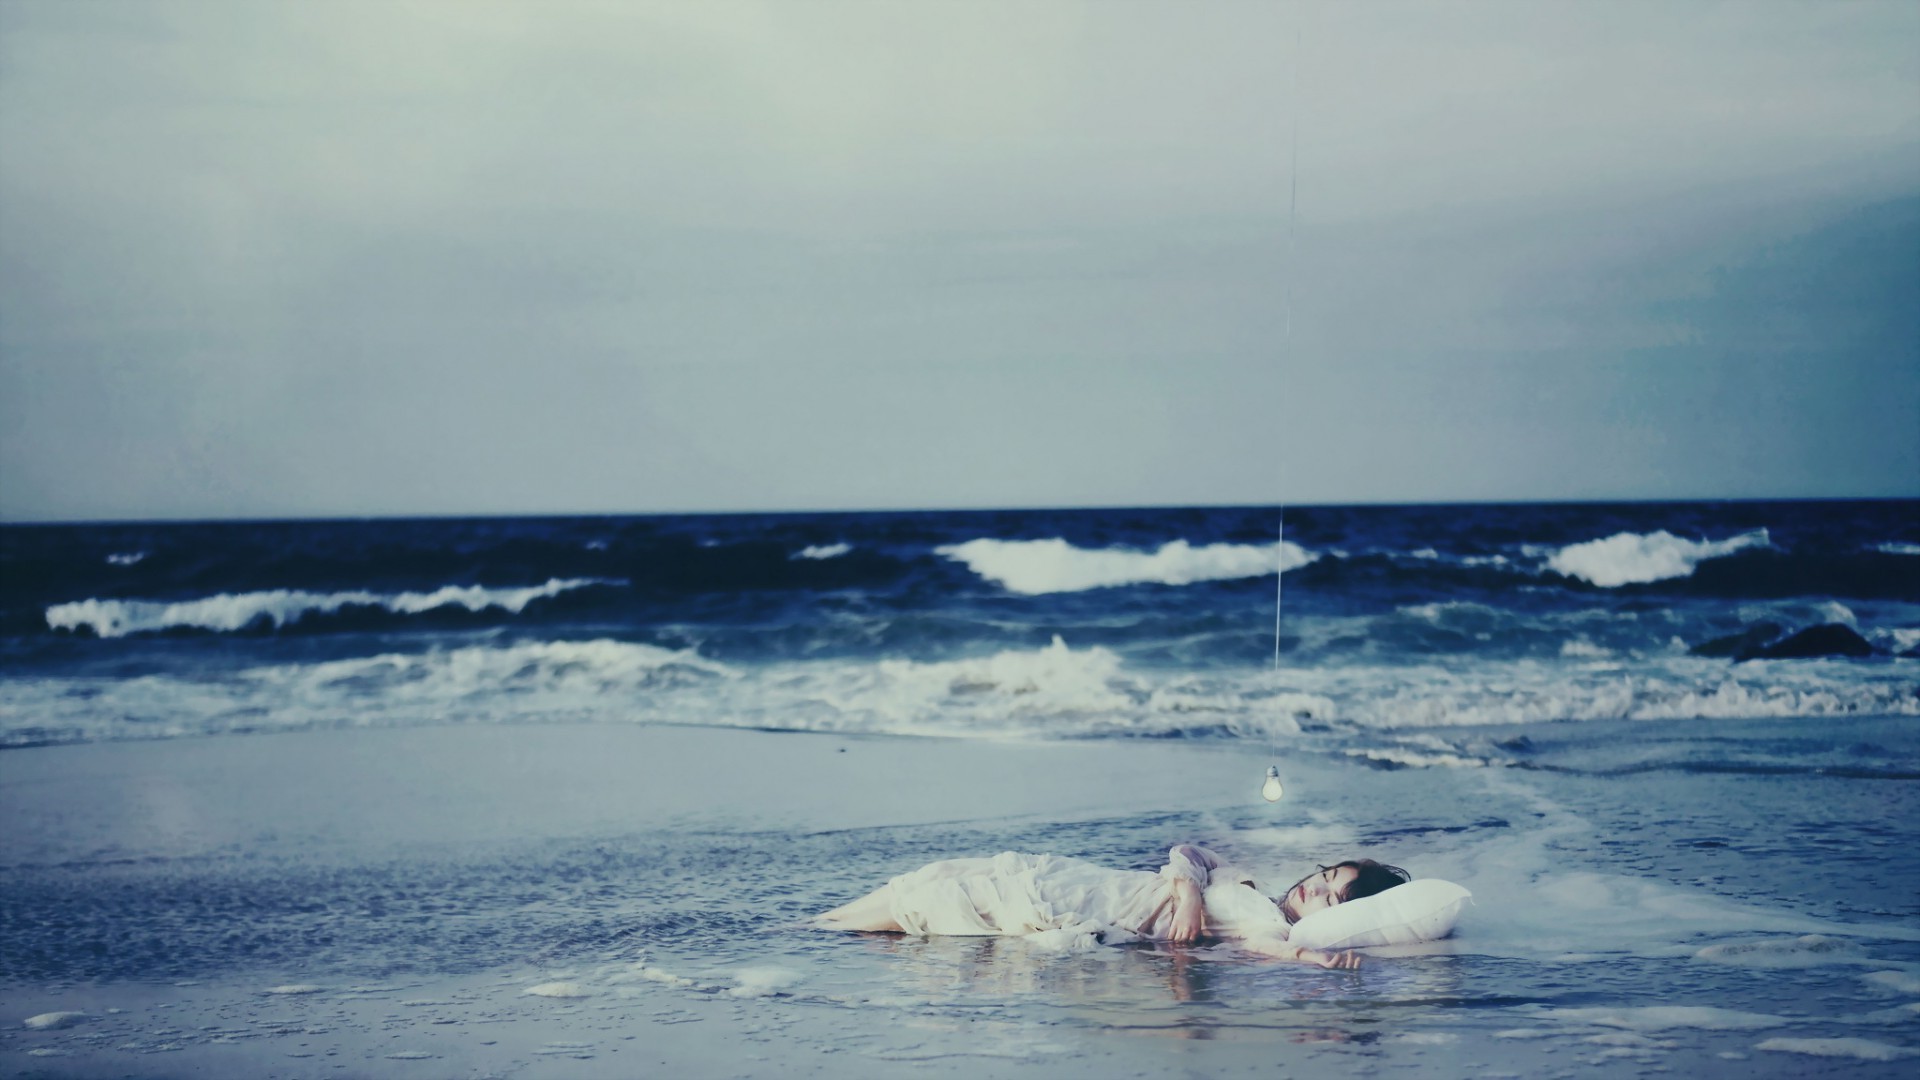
(1423, 910)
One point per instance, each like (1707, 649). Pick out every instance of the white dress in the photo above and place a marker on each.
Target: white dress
(1018, 894)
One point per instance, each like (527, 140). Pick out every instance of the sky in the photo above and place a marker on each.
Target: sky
(346, 259)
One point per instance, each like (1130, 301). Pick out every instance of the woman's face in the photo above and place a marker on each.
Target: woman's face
(1317, 892)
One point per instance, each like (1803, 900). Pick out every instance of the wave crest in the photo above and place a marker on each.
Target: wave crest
(228, 612)
(1050, 692)
(1037, 567)
(1636, 558)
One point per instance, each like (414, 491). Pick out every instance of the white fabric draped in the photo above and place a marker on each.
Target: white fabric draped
(1018, 894)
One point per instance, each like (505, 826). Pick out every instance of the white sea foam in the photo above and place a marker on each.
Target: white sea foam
(822, 551)
(558, 677)
(761, 981)
(1008, 690)
(1056, 691)
(1805, 951)
(235, 611)
(1898, 547)
(1582, 649)
(1900, 982)
(1670, 1017)
(558, 990)
(1451, 612)
(1897, 639)
(1850, 1047)
(1636, 558)
(126, 558)
(1034, 567)
(50, 1020)
(1630, 1040)
(1417, 760)
(661, 975)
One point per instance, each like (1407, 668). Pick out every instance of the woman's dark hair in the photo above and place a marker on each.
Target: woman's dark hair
(1372, 877)
(1369, 878)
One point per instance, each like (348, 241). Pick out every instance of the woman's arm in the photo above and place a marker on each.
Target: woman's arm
(1189, 862)
(1195, 856)
(1189, 917)
(1181, 914)
(1278, 949)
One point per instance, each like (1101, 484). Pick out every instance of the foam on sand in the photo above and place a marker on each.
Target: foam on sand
(1636, 558)
(1036, 567)
(1805, 951)
(761, 981)
(558, 990)
(1851, 1047)
(1671, 1017)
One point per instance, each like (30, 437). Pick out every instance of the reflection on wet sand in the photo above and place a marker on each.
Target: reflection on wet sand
(1202, 992)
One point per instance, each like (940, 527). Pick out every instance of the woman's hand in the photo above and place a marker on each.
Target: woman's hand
(1189, 916)
(1333, 961)
(1280, 950)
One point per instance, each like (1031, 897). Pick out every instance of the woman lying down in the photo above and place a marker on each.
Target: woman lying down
(1195, 895)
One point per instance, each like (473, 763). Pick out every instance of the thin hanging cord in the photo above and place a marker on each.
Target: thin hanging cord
(1293, 187)
(1280, 570)
(1293, 217)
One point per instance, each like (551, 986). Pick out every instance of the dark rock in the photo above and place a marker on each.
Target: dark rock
(1753, 638)
(1827, 639)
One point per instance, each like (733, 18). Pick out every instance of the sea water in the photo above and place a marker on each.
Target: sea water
(1680, 861)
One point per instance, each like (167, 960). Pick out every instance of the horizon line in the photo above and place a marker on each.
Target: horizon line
(320, 518)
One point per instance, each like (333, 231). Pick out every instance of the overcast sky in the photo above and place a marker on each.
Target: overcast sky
(458, 257)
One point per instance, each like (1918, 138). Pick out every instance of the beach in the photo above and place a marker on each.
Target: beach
(591, 900)
(533, 797)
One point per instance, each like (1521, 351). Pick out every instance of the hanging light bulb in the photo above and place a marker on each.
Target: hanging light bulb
(1272, 789)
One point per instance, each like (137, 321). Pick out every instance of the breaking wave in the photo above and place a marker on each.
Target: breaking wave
(1635, 558)
(1036, 567)
(1051, 692)
(280, 608)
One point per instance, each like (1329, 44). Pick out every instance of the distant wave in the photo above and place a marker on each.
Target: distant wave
(228, 612)
(822, 551)
(1636, 558)
(1898, 547)
(1393, 714)
(126, 558)
(1035, 567)
(587, 667)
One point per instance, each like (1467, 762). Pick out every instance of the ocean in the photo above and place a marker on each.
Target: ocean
(1671, 746)
(1401, 627)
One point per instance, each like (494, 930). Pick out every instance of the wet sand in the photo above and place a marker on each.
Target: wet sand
(706, 845)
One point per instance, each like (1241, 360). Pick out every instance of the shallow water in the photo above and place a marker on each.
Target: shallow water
(1638, 911)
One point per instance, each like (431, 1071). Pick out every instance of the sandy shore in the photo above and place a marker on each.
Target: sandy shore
(652, 808)
(349, 797)
(311, 792)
